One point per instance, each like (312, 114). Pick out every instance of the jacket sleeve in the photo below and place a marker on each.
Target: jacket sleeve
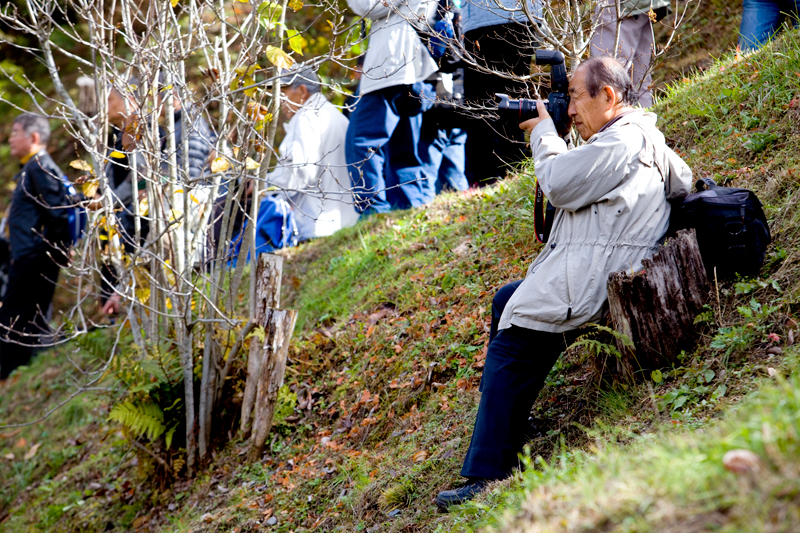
(48, 191)
(573, 179)
(679, 181)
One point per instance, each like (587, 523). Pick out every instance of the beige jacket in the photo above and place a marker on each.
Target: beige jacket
(612, 210)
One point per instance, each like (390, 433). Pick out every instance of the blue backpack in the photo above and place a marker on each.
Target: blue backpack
(275, 228)
(76, 217)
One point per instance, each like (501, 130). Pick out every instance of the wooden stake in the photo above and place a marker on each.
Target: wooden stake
(268, 296)
(273, 367)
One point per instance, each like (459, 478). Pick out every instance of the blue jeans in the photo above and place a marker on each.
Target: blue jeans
(447, 154)
(762, 18)
(387, 169)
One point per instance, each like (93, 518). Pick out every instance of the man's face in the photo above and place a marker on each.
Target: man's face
(293, 99)
(588, 114)
(20, 142)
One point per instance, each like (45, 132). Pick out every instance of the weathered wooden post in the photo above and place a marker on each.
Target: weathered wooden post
(656, 308)
(273, 367)
(269, 268)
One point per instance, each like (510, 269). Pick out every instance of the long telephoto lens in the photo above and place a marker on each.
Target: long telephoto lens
(516, 110)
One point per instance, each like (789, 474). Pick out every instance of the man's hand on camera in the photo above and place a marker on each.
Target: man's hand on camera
(531, 123)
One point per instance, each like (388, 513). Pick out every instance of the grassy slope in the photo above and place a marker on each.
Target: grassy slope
(389, 348)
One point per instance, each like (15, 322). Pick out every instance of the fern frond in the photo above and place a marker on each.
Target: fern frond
(143, 419)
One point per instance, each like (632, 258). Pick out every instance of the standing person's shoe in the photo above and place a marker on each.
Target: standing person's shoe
(473, 487)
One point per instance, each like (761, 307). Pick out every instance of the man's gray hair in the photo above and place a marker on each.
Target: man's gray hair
(32, 123)
(607, 71)
(295, 77)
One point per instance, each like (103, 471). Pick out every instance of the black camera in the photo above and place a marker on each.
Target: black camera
(519, 111)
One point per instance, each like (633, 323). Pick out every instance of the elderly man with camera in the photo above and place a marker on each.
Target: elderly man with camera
(611, 197)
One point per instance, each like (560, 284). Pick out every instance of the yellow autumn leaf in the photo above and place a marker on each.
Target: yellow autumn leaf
(116, 155)
(279, 58)
(295, 40)
(173, 2)
(252, 91)
(80, 164)
(246, 71)
(296, 5)
(250, 164)
(142, 294)
(89, 188)
(220, 164)
(144, 207)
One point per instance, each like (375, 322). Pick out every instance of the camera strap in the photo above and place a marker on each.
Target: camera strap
(542, 217)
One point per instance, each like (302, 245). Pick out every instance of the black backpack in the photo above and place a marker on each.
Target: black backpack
(732, 231)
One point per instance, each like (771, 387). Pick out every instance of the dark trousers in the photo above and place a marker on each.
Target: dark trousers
(517, 362)
(492, 146)
(23, 316)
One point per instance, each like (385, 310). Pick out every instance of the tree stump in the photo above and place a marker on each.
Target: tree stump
(273, 367)
(656, 308)
(269, 269)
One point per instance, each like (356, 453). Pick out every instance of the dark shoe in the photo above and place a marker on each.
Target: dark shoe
(446, 498)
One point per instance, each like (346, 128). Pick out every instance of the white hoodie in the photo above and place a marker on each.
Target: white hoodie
(312, 171)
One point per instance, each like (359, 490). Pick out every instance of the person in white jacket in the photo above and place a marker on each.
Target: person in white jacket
(311, 170)
(388, 170)
(612, 211)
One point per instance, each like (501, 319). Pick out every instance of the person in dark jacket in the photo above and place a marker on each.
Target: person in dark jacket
(39, 237)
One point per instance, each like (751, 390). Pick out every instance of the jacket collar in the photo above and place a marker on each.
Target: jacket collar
(640, 116)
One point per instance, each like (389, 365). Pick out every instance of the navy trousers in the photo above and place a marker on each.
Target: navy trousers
(389, 167)
(517, 362)
(31, 284)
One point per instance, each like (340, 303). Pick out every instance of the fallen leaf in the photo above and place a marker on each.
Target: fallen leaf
(377, 315)
(772, 372)
(420, 456)
(462, 248)
(268, 513)
(21, 443)
(365, 396)
(268, 498)
(393, 384)
(9, 456)
(461, 384)
(10, 434)
(32, 452)
(142, 520)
